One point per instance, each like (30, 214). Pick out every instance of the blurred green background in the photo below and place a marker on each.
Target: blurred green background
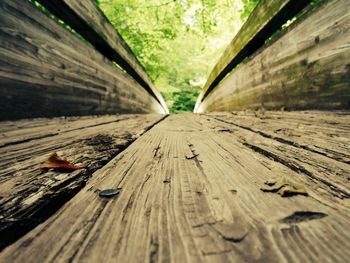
(178, 41)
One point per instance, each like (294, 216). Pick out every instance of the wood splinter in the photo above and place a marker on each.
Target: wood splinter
(284, 187)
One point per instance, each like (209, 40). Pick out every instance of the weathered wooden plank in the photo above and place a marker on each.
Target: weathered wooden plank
(266, 19)
(46, 71)
(319, 132)
(322, 171)
(90, 22)
(307, 68)
(28, 195)
(191, 192)
(31, 129)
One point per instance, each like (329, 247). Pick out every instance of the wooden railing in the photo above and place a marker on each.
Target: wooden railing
(45, 70)
(307, 67)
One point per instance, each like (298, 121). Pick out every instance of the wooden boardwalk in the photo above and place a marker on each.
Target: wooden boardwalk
(242, 186)
(234, 186)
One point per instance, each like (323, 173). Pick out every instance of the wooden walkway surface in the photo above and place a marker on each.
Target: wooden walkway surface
(221, 187)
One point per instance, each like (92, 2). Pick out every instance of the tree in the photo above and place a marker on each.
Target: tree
(177, 41)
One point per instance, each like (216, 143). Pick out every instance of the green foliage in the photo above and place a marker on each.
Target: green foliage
(249, 5)
(177, 41)
(315, 2)
(183, 100)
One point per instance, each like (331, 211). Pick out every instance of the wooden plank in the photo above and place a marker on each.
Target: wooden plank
(32, 129)
(307, 68)
(28, 195)
(90, 22)
(315, 131)
(7, 126)
(266, 19)
(325, 172)
(46, 71)
(190, 192)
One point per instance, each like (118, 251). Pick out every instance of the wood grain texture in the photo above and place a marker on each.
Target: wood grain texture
(307, 68)
(90, 22)
(47, 71)
(267, 17)
(314, 131)
(29, 195)
(307, 153)
(191, 193)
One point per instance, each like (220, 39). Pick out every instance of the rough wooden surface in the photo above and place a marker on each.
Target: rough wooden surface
(45, 70)
(191, 192)
(29, 195)
(266, 18)
(307, 68)
(90, 22)
(325, 134)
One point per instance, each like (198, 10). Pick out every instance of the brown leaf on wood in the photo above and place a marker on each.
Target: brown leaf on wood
(58, 163)
(284, 187)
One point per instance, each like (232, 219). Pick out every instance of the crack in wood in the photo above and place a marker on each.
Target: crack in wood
(302, 216)
(47, 199)
(297, 168)
(282, 140)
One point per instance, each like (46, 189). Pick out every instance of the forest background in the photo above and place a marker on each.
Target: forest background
(178, 41)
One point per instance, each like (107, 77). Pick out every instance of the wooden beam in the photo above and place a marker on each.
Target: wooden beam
(90, 22)
(266, 19)
(45, 70)
(306, 68)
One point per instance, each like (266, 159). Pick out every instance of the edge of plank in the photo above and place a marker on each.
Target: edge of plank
(267, 17)
(104, 37)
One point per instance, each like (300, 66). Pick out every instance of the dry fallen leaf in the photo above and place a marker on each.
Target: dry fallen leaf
(284, 187)
(56, 162)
